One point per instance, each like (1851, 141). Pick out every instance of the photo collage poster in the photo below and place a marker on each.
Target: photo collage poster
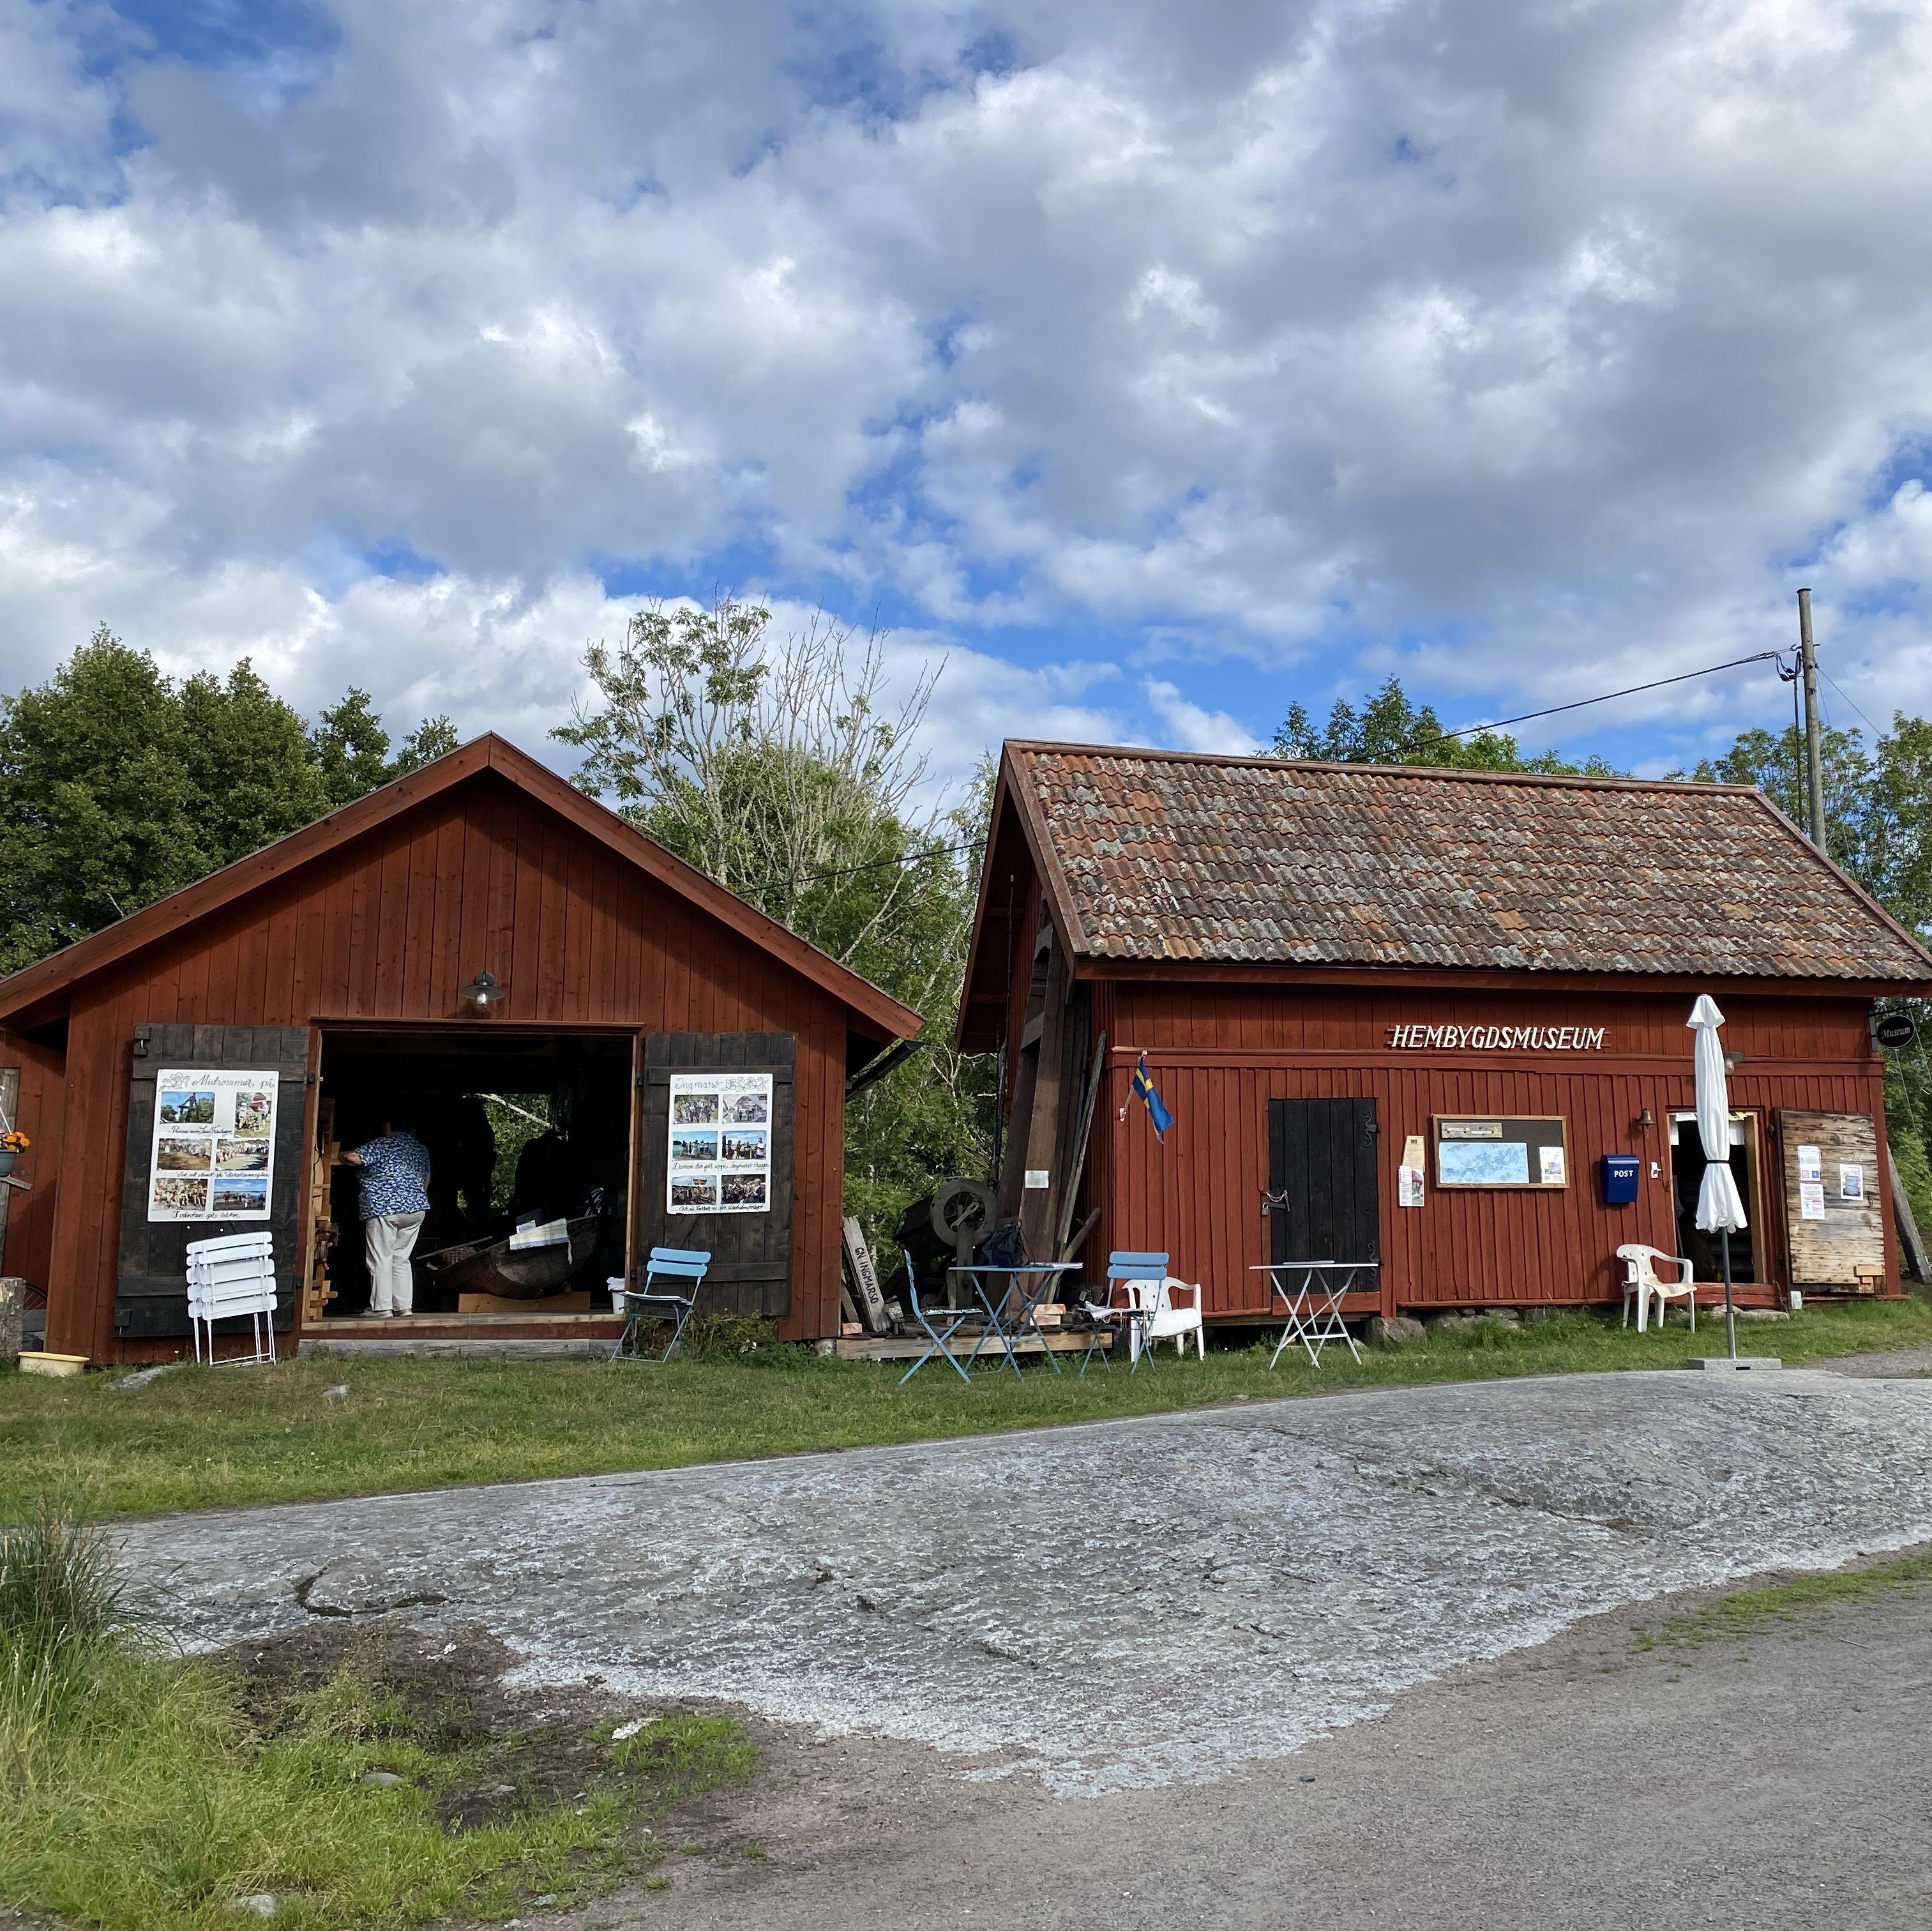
(721, 1143)
(213, 1157)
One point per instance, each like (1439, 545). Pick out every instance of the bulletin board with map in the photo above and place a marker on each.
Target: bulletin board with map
(1492, 1151)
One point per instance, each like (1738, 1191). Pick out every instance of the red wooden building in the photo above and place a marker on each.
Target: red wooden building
(1336, 973)
(335, 976)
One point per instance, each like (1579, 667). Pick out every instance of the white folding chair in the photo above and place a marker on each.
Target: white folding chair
(229, 1276)
(1641, 1282)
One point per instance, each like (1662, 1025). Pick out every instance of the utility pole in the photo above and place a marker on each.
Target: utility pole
(1814, 770)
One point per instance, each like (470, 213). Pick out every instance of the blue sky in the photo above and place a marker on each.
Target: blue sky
(1157, 366)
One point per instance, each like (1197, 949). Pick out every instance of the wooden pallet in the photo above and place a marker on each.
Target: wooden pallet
(909, 1347)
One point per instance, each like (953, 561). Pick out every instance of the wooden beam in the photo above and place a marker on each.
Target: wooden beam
(909, 1347)
(1077, 1166)
(1038, 1211)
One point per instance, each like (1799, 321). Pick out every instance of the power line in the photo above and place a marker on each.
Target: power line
(1657, 683)
(1850, 699)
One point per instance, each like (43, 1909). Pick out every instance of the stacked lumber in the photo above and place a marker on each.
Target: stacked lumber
(326, 1158)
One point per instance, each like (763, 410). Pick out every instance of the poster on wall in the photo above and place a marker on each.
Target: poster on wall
(1409, 1190)
(721, 1143)
(213, 1153)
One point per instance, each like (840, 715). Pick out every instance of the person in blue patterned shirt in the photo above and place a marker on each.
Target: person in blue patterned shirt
(395, 1197)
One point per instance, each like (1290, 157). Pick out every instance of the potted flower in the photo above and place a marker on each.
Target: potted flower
(12, 1145)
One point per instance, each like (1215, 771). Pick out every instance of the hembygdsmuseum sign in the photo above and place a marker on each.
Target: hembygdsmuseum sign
(1498, 1038)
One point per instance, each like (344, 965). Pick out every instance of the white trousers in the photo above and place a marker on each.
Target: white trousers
(389, 1238)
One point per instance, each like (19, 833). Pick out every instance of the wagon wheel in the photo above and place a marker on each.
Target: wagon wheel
(962, 1212)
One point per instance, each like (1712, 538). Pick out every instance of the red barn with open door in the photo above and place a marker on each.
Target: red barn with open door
(335, 976)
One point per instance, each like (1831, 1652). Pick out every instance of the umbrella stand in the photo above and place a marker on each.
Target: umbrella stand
(1730, 1312)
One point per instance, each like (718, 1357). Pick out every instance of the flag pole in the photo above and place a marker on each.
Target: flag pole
(1730, 1312)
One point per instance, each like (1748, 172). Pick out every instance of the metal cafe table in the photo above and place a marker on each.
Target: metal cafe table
(997, 1310)
(1310, 1293)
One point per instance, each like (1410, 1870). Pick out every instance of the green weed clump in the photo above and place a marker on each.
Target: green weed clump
(62, 1605)
(1744, 1613)
(135, 1795)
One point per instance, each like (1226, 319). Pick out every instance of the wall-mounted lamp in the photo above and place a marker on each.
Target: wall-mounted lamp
(1732, 1061)
(482, 992)
(1646, 1118)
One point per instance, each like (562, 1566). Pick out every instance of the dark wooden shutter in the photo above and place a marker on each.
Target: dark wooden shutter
(751, 1253)
(150, 1291)
(1322, 1172)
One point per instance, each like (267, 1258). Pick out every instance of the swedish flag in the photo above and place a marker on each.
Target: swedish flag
(1143, 1089)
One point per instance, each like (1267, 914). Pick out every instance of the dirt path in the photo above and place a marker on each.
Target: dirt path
(1896, 1364)
(1780, 1782)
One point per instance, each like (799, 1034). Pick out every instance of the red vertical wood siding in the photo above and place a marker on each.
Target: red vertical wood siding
(1219, 1053)
(391, 928)
(40, 1112)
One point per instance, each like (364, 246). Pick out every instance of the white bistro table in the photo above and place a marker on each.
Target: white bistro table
(1310, 1293)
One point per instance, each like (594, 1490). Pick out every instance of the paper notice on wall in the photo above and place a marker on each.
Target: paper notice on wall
(1851, 1182)
(1810, 1164)
(1408, 1189)
(1810, 1199)
(1412, 1154)
(214, 1152)
(1550, 1159)
(721, 1143)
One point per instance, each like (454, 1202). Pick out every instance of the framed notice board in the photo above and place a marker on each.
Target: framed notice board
(1492, 1150)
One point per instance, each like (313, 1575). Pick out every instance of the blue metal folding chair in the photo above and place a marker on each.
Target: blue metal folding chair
(951, 1320)
(1127, 1270)
(643, 1304)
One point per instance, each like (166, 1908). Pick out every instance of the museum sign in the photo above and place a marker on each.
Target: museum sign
(1498, 1038)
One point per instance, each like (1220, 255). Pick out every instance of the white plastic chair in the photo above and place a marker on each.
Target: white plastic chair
(1141, 1292)
(1641, 1282)
(1166, 1322)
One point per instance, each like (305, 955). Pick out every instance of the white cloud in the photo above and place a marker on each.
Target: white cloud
(1189, 728)
(1523, 349)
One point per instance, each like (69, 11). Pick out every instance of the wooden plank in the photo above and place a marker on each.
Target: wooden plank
(1077, 1166)
(864, 1276)
(1039, 1220)
(905, 1347)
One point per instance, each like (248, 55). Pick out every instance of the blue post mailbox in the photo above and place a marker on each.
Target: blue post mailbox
(1618, 1172)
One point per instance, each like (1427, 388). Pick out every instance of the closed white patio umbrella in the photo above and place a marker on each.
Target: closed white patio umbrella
(1719, 1208)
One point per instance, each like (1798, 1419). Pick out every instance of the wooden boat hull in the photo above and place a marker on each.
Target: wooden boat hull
(528, 1274)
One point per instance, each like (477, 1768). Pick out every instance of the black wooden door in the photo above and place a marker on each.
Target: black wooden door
(751, 1253)
(1322, 1175)
(151, 1289)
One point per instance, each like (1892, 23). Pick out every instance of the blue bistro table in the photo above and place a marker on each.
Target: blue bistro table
(997, 1308)
(1310, 1293)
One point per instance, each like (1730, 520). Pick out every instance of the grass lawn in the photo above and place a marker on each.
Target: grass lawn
(341, 1780)
(203, 1436)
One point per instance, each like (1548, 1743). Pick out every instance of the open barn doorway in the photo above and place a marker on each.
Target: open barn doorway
(529, 1135)
(1687, 1182)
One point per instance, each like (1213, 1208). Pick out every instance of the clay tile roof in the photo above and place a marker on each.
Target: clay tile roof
(1165, 855)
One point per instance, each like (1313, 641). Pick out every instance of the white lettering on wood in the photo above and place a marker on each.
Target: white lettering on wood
(1412, 1037)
